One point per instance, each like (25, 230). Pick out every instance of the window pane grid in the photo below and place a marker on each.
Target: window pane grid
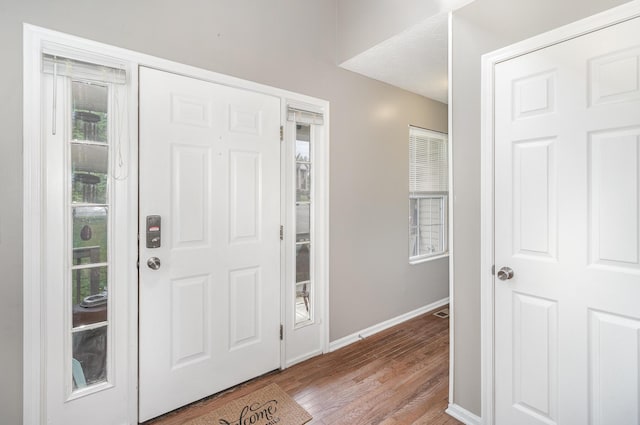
(427, 227)
(303, 219)
(90, 219)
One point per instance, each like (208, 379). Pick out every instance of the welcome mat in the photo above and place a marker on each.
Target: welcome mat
(267, 406)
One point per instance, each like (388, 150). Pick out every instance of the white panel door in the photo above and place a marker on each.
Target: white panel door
(210, 168)
(567, 218)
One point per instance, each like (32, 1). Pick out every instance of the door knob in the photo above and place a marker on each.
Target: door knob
(153, 263)
(505, 273)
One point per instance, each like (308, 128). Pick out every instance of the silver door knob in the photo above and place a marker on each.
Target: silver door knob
(505, 273)
(153, 263)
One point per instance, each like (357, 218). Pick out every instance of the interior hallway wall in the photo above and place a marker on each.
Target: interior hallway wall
(479, 28)
(283, 43)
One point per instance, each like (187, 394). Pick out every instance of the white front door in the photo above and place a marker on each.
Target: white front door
(567, 218)
(210, 171)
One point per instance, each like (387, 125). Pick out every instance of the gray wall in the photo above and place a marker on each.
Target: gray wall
(481, 27)
(283, 43)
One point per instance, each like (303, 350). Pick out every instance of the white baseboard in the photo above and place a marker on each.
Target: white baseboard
(463, 415)
(357, 336)
(302, 358)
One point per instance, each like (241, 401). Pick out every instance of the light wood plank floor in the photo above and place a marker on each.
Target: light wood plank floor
(398, 376)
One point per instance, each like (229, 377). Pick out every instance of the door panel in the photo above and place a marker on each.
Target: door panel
(210, 167)
(535, 355)
(613, 194)
(567, 183)
(613, 368)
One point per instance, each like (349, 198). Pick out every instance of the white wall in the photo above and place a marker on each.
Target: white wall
(479, 28)
(283, 43)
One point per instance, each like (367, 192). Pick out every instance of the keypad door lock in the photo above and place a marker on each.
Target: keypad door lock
(154, 231)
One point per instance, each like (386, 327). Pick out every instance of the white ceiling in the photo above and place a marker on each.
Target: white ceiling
(414, 60)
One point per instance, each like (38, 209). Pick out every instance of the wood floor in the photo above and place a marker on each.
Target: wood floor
(398, 376)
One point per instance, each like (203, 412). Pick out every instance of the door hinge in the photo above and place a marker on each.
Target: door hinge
(281, 332)
(493, 269)
(281, 133)
(281, 232)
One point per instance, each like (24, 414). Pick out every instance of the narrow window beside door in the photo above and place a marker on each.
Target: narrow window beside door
(90, 231)
(305, 124)
(303, 223)
(89, 108)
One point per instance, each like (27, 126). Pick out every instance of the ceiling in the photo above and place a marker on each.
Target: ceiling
(414, 60)
(413, 56)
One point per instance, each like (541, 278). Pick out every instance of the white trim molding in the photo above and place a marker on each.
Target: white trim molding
(452, 257)
(371, 330)
(463, 415)
(34, 337)
(309, 338)
(593, 23)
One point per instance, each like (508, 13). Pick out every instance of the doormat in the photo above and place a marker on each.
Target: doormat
(267, 406)
(443, 314)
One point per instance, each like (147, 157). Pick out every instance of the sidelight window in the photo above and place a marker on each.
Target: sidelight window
(303, 223)
(88, 95)
(304, 124)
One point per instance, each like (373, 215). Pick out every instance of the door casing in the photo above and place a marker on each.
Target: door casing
(489, 61)
(35, 38)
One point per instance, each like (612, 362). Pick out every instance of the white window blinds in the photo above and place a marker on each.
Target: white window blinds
(304, 117)
(76, 69)
(428, 161)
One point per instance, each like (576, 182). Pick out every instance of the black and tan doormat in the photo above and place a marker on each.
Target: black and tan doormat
(267, 406)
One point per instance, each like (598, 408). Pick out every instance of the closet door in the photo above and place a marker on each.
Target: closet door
(567, 241)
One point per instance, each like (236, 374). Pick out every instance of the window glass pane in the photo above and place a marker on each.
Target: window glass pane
(413, 228)
(89, 113)
(303, 134)
(302, 262)
(302, 151)
(303, 220)
(89, 235)
(430, 228)
(90, 353)
(89, 291)
(89, 165)
(303, 302)
(303, 182)
(303, 223)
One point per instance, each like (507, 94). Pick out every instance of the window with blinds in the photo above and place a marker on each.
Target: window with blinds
(305, 123)
(93, 99)
(428, 194)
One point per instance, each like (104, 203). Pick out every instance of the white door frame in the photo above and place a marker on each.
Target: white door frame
(489, 61)
(33, 279)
